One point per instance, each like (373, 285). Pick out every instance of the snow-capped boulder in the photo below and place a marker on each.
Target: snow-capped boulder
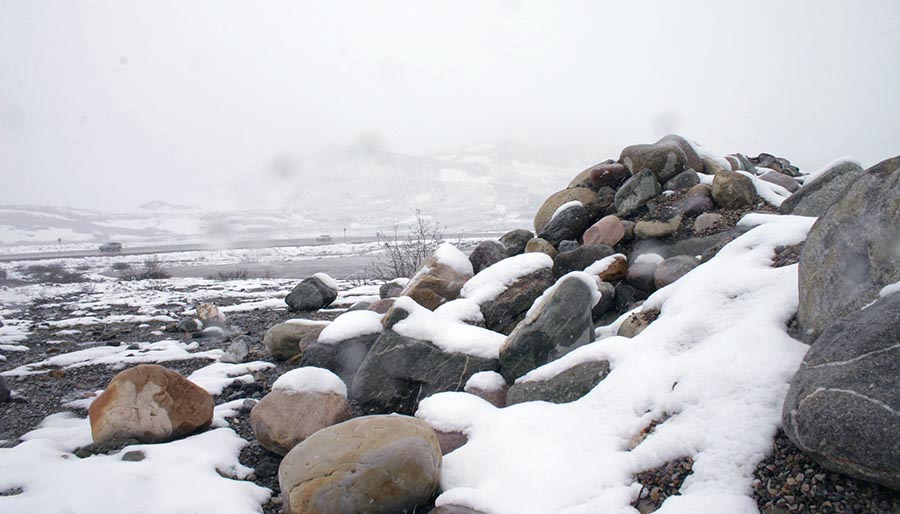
(485, 254)
(490, 386)
(558, 322)
(312, 293)
(565, 387)
(608, 231)
(664, 159)
(150, 404)
(538, 245)
(851, 252)
(372, 464)
(673, 268)
(420, 353)
(568, 223)
(779, 164)
(636, 192)
(588, 198)
(580, 258)
(302, 402)
(515, 240)
(238, 351)
(506, 290)
(731, 190)
(291, 338)
(843, 406)
(342, 346)
(821, 192)
(441, 277)
(609, 269)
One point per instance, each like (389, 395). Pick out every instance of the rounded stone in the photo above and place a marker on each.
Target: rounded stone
(283, 419)
(372, 464)
(673, 268)
(733, 191)
(608, 231)
(588, 198)
(540, 245)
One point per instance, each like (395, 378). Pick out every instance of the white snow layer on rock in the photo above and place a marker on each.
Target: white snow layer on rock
(486, 381)
(462, 309)
(810, 177)
(563, 207)
(450, 256)
(311, 380)
(603, 264)
(589, 280)
(326, 279)
(351, 324)
(448, 334)
(718, 360)
(175, 477)
(492, 281)
(771, 193)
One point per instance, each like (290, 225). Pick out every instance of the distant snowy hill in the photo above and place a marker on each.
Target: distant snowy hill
(477, 188)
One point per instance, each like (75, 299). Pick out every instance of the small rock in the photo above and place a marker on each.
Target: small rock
(733, 191)
(568, 224)
(684, 180)
(657, 229)
(608, 231)
(485, 254)
(673, 268)
(707, 221)
(515, 241)
(568, 245)
(580, 258)
(780, 179)
(209, 313)
(289, 339)
(133, 456)
(540, 245)
(312, 293)
(238, 351)
(190, 325)
(441, 277)
(392, 288)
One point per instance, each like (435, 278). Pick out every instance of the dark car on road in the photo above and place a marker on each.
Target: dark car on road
(111, 247)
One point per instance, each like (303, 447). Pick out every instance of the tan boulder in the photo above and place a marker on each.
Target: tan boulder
(540, 245)
(209, 314)
(441, 278)
(151, 404)
(284, 418)
(589, 198)
(291, 338)
(372, 464)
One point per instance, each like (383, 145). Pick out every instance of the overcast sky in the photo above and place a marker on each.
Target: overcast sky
(109, 104)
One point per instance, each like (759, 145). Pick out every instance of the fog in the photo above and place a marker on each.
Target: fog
(112, 104)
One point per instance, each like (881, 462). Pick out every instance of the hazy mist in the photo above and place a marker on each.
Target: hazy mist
(112, 104)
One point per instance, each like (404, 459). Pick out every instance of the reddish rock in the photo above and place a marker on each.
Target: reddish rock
(283, 418)
(609, 175)
(609, 231)
(151, 404)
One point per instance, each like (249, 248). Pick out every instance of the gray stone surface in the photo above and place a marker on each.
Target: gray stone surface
(503, 313)
(814, 198)
(342, 358)
(852, 251)
(565, 387)
(843, 406)
(672, 269)
(580, 258)
(515, 241)
(693, 159)
(5, 393)
(560, 324)
(485, 254)
(664, 159)
(568, 224)
(310, 294)
(636, 192)
(607, 300)
(567, 246)
(391, 289)
(399, 371)
(708, 220)
(693, 205)
(371, 464)
(684, 180)
(286, 340)
(238, 351)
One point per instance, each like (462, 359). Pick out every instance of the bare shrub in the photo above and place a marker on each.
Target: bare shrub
(405, 251)
(152, 270)
(53, 274)
(121, 266)
(238, 274)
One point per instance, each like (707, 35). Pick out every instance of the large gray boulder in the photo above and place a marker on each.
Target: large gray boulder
(566, 225)
(502, 313)
(852, 251)
(342, 358)
(556, 326)
(485, 254)
(580, 258)
(565, 387)
(372, 464)
(291, 338)
(515, 241)
(664, 159)
(636, 192)
(843, 406)
(814, 198)
(313, 293)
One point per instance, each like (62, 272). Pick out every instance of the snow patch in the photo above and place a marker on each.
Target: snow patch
(492, 281)
(350, 325)
(310, 380)
(448, 334)
(486, 381)
(328, 281)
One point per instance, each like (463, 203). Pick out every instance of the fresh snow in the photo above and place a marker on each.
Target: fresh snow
(769, 192)
(603, 264)
(889, 289)
(492, 281)
(450, 256)
(716, 363)
(462, 309)
(448, 334)
(329, 282)
(810, 177)
(350, 325)
(559, 210)
(310, 380)
(217, 376)
(486, 381)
